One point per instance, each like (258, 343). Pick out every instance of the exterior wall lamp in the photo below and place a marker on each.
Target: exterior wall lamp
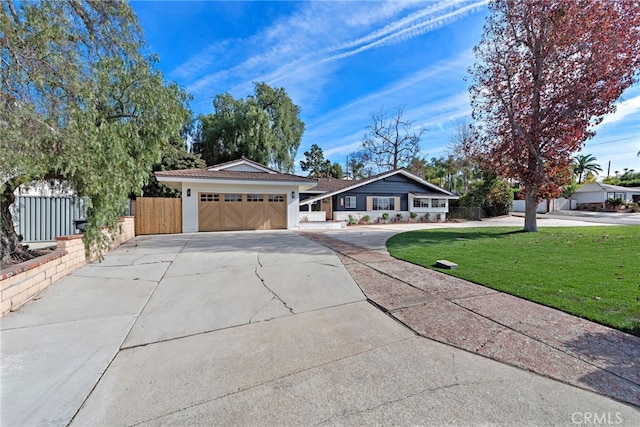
(293, 195)
(188, 192)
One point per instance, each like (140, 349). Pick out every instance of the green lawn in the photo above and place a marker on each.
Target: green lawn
(591, 272)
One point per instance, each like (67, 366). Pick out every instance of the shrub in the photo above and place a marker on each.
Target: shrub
(366, 219)
(399, 217)
(413, 216)
(351, 219)
(634, 207)
(385, 217)
(493, 194)
(615, 203)
(427, 217)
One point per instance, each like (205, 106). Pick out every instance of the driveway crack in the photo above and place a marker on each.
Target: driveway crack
(132, 264)
(269, 289)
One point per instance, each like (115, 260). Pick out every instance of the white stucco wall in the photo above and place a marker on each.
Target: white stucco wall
(519, 206)
(590, 197)
(190, 204)
(544, 206)
(435, 211)
(313, 216)
(375, 215)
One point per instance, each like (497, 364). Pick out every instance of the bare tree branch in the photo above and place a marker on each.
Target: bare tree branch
(392, 142)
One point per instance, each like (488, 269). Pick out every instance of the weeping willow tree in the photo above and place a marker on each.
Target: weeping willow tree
(265, 127)
(82, 103)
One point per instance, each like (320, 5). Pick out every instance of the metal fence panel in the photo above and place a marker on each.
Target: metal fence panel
(43, 218)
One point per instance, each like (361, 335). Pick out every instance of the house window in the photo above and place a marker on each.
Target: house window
(383, 204)
(438, 203)
(420, 203)
(255, 198)
(276, 198)
(612, 196)
(209, 197)
(350, 202)
(233, 197)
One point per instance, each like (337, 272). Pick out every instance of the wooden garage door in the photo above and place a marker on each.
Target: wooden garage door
(239, 211)
(276, 211)
(208, 211)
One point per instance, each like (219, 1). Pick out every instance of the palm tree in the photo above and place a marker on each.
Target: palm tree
(585, 163)
(568, 190)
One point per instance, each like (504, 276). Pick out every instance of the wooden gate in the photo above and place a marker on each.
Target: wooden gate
(157, 215)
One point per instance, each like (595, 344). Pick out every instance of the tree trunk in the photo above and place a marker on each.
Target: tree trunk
(530, 208)
(11, 251)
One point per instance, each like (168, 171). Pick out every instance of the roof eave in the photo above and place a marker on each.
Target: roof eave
(439, 196)
(203, 180)
(231, 164)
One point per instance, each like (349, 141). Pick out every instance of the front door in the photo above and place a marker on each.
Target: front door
(327, 207)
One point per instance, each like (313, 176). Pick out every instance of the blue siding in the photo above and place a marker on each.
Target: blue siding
(392, 186)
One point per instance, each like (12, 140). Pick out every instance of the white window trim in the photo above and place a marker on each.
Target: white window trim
(423, 201)
(348, 200)
(434, 205)
(389, 199)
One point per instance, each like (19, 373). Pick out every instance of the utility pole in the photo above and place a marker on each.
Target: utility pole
(608, 168)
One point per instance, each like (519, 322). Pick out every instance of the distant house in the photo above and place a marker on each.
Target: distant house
(394, 192)
(44, 210)
(599, 193)
(52, 188)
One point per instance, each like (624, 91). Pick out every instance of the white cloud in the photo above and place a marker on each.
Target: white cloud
(438, 109)
(438, 75)
(411, 26)
(625, 108)
(304, 44)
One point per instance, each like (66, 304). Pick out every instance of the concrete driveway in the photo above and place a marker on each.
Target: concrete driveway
(250, 328)
(629, 218)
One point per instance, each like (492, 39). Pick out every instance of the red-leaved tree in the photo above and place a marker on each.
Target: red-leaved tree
(546, 72)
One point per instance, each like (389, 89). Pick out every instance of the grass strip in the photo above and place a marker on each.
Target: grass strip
(591, 272)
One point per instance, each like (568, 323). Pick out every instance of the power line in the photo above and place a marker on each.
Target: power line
(612, 141)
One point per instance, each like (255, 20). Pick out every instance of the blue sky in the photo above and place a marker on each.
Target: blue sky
(341, 61)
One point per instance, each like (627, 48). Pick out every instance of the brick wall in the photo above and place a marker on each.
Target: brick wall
(22, 282)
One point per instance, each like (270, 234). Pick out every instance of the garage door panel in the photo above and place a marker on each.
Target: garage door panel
(208, 212)
(277, 211)
(254, 212)
(231, 212)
